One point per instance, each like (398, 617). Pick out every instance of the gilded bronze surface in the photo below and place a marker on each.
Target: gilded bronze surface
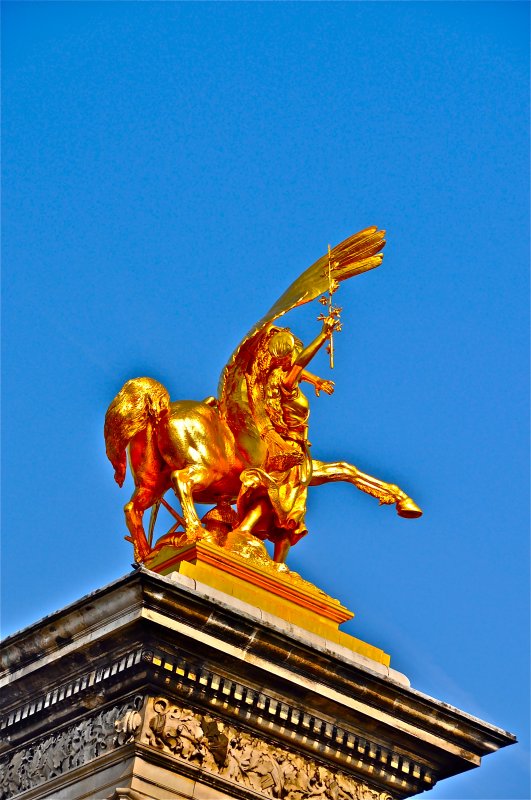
(246, 452)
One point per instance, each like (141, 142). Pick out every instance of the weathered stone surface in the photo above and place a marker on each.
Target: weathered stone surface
(160, 687)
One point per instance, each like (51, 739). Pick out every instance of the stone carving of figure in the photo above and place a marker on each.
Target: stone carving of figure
(241, 758)
(177, 729)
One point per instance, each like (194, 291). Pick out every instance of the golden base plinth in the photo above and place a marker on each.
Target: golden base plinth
(265, 585)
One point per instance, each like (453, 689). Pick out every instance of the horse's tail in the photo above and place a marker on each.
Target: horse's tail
(139, 402)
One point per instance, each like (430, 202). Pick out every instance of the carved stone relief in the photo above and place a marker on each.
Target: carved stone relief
(72, 747)
(237, 756)
(201, 740)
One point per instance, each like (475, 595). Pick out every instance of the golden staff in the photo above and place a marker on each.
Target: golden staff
(330, 347)
(333, 311)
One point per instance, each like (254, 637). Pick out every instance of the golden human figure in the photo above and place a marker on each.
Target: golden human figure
(272, 500)
(250, 446)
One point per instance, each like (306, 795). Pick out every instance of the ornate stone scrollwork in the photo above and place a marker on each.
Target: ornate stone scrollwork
(129, 725)
(70, 748)
(182, 733)
(239, 757)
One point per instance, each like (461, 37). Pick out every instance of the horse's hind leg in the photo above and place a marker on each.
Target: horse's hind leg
(143, 497)
(184, 482)
(387, 493)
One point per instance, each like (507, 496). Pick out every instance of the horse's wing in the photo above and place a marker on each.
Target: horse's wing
(357, 254)
(354, 255)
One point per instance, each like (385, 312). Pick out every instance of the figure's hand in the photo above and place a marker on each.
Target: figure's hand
(330, 324)
(325, 386)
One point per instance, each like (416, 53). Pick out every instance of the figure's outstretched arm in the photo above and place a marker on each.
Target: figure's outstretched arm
(353, 256)
(319, 384)
(309, 352)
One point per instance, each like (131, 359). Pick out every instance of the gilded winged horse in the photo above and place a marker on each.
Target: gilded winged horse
(249, 446)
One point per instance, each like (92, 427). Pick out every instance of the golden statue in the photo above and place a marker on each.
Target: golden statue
(249, 447)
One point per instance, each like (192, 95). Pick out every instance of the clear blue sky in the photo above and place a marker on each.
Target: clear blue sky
(168, 169)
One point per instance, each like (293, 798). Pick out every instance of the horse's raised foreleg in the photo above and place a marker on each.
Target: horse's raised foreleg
(143, 497)
(387, 493)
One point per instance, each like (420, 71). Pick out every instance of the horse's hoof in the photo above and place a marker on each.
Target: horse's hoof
(408, 509)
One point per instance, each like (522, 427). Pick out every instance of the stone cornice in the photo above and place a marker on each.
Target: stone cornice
(262, 673)
(61, 628)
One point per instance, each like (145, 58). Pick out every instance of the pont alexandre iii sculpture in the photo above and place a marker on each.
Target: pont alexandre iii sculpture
(246, 452)
(212, 670)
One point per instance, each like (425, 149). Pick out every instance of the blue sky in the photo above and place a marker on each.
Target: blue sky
(168, 169)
